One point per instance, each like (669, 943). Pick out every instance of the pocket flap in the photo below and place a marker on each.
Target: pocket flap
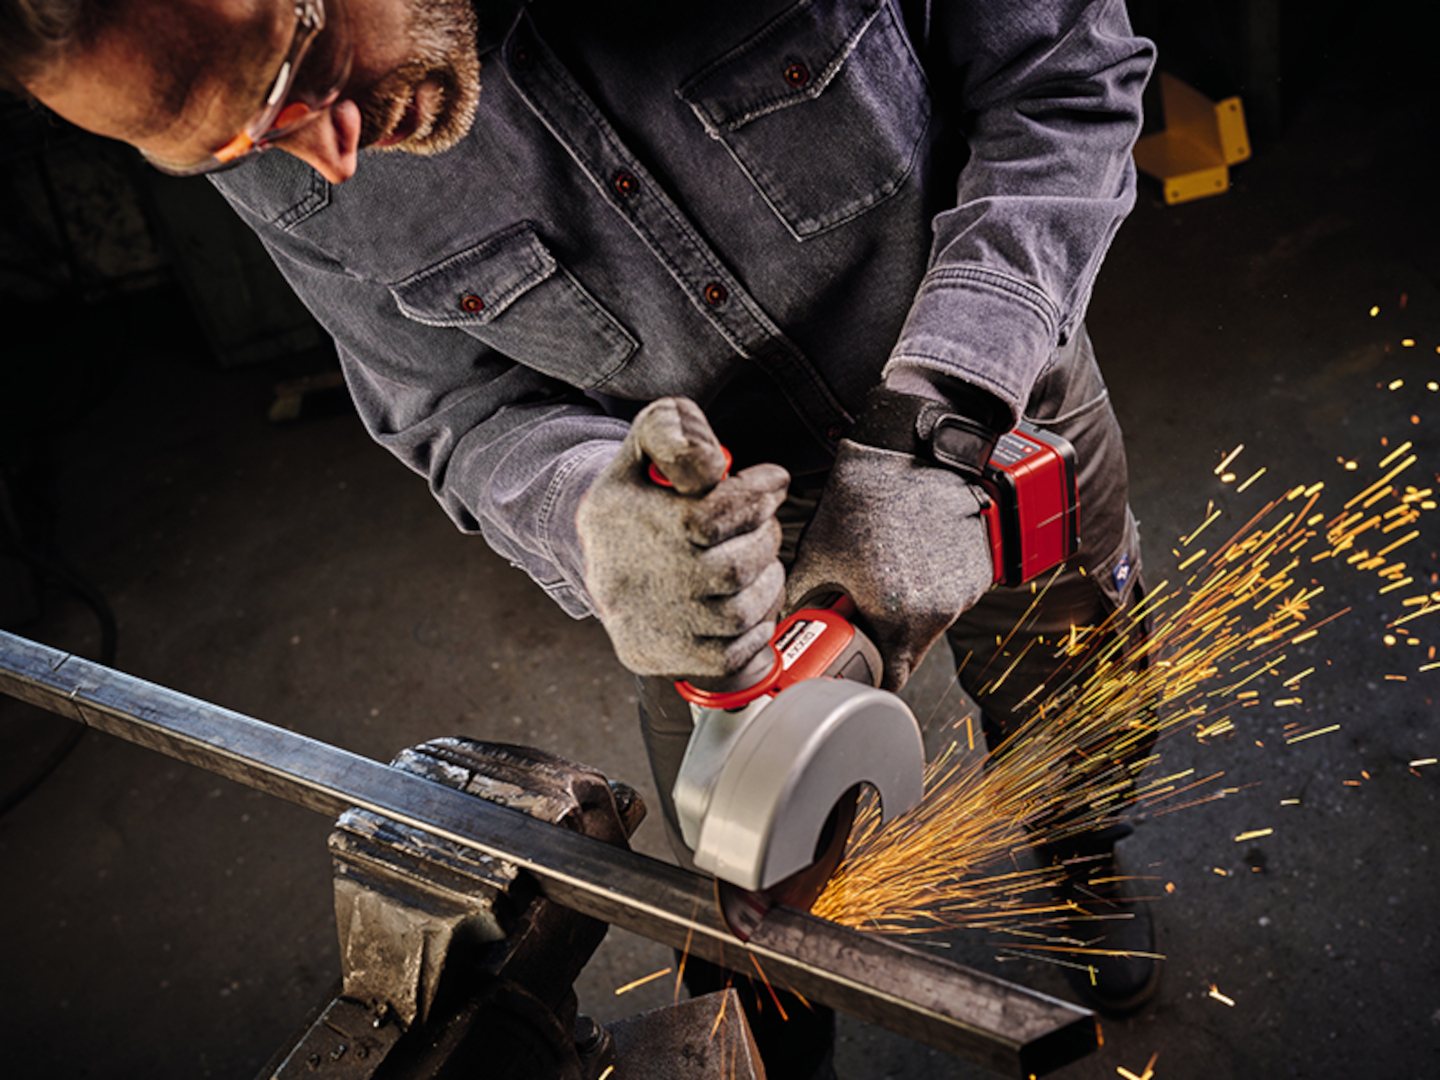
(793, 59)
(474, 286)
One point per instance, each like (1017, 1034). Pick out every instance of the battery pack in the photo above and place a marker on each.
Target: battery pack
(1034, 516)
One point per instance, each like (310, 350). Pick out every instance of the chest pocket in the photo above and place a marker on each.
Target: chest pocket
(824, 109)
(510, 293)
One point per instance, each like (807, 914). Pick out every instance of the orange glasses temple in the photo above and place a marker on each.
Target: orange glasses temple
(241, 144)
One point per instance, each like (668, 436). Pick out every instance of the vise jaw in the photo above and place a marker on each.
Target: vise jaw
(450, 956)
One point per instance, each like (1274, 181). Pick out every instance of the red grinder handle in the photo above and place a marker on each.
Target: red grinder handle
(661, 479)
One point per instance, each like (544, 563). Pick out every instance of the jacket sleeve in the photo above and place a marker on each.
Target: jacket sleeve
(508, 452)
(1047, 97)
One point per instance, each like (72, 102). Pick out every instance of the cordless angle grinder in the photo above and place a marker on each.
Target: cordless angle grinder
(768, 787)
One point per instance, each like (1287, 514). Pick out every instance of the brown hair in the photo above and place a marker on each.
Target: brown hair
(34, 32)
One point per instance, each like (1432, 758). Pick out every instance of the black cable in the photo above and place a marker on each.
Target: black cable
(57, 572)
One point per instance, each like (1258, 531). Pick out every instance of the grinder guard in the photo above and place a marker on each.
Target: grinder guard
(762, 812)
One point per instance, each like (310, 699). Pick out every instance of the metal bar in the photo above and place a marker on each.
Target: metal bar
(1006, 1028)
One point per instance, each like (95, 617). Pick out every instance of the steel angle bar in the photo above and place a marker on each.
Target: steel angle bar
(1006, 1028)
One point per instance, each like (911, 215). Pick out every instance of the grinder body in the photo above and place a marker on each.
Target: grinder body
(767, 764)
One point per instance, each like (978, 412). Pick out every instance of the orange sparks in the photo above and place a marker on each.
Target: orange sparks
(1218, 996)
(1148, 1074)
(719, 1016)
(1254, 476)
(951, 862)
(642, 981)
(1225, 463)
(773, 996)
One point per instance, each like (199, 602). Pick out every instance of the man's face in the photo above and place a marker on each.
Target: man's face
(180, 80)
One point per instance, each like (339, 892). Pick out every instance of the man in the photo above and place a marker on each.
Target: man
(825, 221)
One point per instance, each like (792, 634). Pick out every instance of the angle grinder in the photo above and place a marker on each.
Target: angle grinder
(767, 790)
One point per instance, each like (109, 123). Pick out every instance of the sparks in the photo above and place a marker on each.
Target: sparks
(1218, 996)
(1210, 516)
(1225, 464)
(642, 981)
(1253, 477)
(1148, 1074)
(952, 862)
(1256, 835)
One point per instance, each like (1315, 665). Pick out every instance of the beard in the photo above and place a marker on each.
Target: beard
(442, 37)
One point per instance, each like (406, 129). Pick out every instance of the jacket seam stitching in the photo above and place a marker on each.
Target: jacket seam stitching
(1025, 293)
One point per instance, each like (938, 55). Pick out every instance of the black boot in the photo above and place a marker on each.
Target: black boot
(1109, 917)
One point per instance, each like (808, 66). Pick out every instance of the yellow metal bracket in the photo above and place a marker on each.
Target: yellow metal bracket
(1201, 140)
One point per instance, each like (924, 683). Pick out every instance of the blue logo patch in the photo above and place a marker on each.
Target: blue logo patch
(1122, 573)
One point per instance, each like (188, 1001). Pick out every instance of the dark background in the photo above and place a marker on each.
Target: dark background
(161, 922)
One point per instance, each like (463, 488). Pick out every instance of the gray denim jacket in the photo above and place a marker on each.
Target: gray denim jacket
(761, 204)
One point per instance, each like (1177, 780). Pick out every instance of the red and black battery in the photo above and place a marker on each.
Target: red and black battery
(1034, 515)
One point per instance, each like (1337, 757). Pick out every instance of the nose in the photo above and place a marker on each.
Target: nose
(330, 145)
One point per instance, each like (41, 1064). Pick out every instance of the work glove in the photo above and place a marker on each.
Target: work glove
(901, 534)
(686, 579)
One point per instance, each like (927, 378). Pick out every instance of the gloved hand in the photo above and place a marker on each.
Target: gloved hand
(686, 579)
(905, 540)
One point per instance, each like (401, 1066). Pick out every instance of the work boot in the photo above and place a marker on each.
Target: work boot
(1108, 916)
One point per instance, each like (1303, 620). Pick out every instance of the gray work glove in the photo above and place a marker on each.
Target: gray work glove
(687, 579)
(905, 540)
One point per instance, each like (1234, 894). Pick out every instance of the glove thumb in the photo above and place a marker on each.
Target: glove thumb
(674, 435)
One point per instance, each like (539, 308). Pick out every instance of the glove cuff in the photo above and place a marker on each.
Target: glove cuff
(959, 436)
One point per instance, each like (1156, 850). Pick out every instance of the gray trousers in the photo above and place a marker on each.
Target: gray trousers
(1070, 399)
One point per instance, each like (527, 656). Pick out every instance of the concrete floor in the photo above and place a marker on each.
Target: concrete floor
(164, 923)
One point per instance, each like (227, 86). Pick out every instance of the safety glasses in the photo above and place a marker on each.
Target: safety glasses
(308, 82)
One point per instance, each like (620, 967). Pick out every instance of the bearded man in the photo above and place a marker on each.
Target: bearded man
(810, 217)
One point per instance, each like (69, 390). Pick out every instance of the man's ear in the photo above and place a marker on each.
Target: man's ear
(331, 144)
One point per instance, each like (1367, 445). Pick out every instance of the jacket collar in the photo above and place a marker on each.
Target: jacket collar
(496, 19)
